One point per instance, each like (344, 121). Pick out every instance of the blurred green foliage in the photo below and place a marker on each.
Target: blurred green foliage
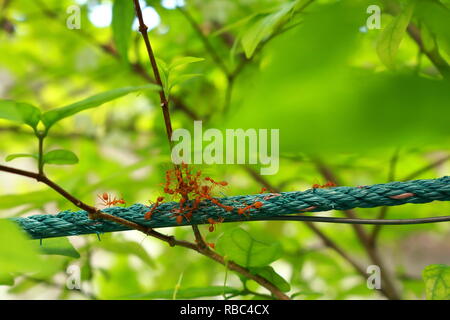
(437, 279)
(339, 92)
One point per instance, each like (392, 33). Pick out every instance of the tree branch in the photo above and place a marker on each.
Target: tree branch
(388, 287)
(414, 32)
(201, 246)
(206, 43)
(107, 48)
(164, 101)
(426, 168)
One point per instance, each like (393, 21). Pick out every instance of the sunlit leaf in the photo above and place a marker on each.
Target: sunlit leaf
(239, 23)
(60, 157)
(392, 35)
(122, 21)
(34, 199)
(20, 112)
(56, 246)
(269, 273)
(436, 18)
(13, 156)
(263, 28)
(6, 279)
(120, 279)
(437, 281)
(183, 78)
(17, 253)
(122, 246)
(239, 246)
(49, 118)
(361, 109)
(179, 62)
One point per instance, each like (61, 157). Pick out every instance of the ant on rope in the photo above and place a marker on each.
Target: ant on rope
(193, 190)
(149, 214)
(271, 195)
(108, 201)
(329, 184)
(213, 222)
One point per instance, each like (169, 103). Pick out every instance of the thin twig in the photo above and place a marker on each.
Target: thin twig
(107, 48)
(206, 43)
(164, 101)
(414, 32)
(201, 246)
(231, 76)
(426, 168)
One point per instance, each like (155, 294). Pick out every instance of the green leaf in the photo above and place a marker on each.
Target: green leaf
(353, 94)
(392, 35)
(122, 21)
(17, 253)
(263, 28)
(49, 118)
(122, 246)
(170, 76)
(20, 112)
(179, 62)
(13, 156)
(35, 199)
(120, 279)
(6, 279)
(239, 246)
(189, 293)
(23, 286)
(60, 157)
(436, 17)
(162, 65)
(56, 246)
(307, 295)
(437, 281)
(269, 273)
(164, 72)
(237, 24)
(183, 78)
(427, 38)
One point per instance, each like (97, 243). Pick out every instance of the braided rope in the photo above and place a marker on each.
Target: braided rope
(68, 223)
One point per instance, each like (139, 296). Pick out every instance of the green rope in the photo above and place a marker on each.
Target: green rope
(68, 223)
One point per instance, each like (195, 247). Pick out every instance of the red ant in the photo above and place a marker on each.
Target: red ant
(256, 205)
(212, 222)
(149, 214)
(329, 184)
(182, 182)
(221, 183)
(108, 201)
(269, 196)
